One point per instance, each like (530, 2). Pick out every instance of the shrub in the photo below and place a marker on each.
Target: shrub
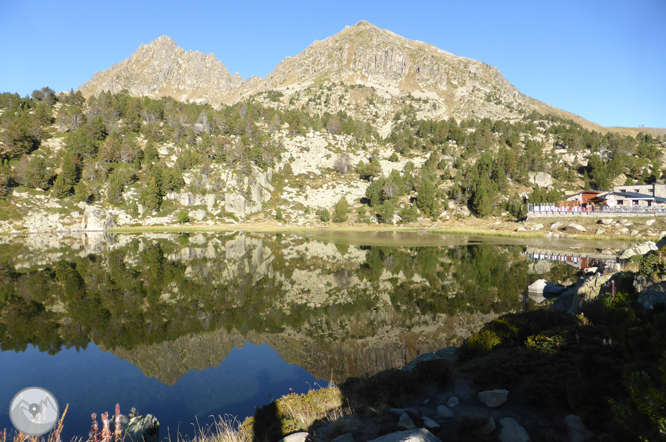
(183, 217)
(325, 215)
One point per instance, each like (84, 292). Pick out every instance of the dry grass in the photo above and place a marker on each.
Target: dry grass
(54, 435)
(224, 429)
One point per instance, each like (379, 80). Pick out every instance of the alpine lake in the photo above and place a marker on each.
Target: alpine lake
(192, 326)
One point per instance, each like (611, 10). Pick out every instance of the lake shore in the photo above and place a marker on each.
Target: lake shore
(540, 228)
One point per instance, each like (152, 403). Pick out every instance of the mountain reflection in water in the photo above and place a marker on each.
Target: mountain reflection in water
(171, 304)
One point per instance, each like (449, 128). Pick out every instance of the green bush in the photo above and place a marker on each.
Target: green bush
(183, 217)
(325, 215)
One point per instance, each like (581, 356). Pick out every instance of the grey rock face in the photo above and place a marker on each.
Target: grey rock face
(96, 219)
(540, 179)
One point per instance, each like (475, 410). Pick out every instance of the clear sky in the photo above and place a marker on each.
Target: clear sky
(604, 60)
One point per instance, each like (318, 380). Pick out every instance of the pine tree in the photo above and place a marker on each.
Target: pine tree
(152, 196)
(69, 171)
(341, 212)
(427, 199)
(60, 187)
(81, 191)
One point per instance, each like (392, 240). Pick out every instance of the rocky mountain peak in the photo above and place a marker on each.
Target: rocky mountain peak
(162, 68)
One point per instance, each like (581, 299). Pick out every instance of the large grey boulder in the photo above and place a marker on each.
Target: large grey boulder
(512, 431)
(493, 398)
(576, 228)
(639, 249)
(420, 435)
(545, 287)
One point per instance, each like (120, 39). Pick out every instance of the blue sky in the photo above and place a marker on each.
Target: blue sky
(604, 60)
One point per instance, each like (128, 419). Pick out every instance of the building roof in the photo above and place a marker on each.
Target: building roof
(633, 195)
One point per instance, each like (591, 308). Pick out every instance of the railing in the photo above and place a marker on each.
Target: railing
(556, 210)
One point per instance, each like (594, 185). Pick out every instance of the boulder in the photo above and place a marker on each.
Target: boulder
(138, 429)
(605, 221)
(521, 229)
(444, 412)
(420, 435)
(540, 179)
(576, 228)
(429, 423)
(577, 430)
(301, 436)
(556, 225)
(405, 422)
(639, 249)
(600, 231)
(536, 227)
(493, 398)
(650, 222)
(545, 287)
(512, 431)
(452, 402)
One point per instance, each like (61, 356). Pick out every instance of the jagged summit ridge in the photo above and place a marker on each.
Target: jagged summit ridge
(161, 68)
(394, 67)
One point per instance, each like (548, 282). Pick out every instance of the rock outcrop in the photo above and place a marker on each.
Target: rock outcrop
(96, 219)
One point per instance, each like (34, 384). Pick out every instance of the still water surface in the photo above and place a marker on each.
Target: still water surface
(188, 326)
